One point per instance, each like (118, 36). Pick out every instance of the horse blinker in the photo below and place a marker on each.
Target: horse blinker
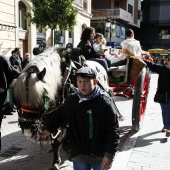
(41, 74)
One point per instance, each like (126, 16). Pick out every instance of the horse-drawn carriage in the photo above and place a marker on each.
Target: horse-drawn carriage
(50, 77)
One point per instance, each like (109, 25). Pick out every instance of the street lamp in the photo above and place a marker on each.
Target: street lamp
(110, 27)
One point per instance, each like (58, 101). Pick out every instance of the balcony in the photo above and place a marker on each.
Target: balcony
(117, 14)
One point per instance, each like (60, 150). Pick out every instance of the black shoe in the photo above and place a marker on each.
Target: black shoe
(167, 133)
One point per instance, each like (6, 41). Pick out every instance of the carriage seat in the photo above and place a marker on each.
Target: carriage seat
(118, 68)
(130, 68)
(117, 74)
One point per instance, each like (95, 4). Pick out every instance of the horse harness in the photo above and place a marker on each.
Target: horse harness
(46, 107)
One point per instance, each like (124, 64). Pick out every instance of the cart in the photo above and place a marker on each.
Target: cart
(133, 88)
(136, 88)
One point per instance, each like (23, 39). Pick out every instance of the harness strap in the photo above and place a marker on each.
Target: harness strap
(46, 101)
(29, 111)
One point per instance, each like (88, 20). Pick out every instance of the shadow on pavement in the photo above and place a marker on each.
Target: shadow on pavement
(120, 98)
(146, 142)
(124, 134)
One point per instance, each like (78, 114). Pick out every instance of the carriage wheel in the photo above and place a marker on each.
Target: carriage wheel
(140, 99)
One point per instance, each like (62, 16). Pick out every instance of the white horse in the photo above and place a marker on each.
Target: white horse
(36, 90)
(45, 76)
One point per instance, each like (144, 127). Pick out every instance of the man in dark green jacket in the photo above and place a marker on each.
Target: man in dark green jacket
(93, 124)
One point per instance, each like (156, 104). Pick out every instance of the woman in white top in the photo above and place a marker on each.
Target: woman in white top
(131, 47)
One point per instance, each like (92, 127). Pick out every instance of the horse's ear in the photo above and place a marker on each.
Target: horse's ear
(41, 74)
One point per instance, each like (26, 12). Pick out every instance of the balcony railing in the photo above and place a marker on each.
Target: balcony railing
(113, 13)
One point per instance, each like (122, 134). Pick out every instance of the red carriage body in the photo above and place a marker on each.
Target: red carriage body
(137, 89)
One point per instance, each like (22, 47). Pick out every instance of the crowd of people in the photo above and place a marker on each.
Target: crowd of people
(17, 61)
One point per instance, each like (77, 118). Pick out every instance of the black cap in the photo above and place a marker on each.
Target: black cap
(87, 72)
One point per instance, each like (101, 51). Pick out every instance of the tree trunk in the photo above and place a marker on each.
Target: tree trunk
(52, 37)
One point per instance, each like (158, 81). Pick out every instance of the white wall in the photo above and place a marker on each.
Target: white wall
(7, 17)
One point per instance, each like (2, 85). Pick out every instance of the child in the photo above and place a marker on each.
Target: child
(100, 48)
(90, 147)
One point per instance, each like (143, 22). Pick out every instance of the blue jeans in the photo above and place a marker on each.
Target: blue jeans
(166, 114)
(103, 62)
(84, 166)
(108, 62)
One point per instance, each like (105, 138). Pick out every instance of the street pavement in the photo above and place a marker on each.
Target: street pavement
(147, 149)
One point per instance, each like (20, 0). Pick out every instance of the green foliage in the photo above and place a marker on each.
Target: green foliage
(53, 13)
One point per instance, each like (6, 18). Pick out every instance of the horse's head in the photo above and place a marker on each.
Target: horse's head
(35, 90)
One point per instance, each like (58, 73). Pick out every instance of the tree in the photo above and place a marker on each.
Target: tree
(53, 14)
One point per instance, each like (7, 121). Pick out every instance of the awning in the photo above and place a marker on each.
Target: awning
(158, 51)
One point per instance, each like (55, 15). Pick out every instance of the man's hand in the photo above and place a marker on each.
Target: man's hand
(45, 136)
(106, 163)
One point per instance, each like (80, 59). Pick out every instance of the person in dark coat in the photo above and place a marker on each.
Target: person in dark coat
(163, 86)
(26, 60)
(86, 45)
(16, 60)
(6, 78)
(93, 130)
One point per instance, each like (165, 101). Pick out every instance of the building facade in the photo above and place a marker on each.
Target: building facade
(155, 24)
(15, 31)
(123, 13)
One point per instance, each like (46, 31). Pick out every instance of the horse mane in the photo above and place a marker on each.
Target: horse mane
(50, 60)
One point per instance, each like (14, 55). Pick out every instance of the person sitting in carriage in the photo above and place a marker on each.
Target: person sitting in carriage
(86, 45)
(93, 130)
(131, 47)
(100, 48)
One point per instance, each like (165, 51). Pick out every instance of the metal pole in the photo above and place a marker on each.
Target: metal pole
(110, 34)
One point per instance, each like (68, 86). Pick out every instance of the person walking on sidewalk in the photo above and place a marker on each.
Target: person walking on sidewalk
(163, 86)
(93, 130)
(6, 78)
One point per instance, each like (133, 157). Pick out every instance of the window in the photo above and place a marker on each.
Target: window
(117, 30)
(85, 5)
(22, 20)
(70, 35)
(41, 36)
(130, 9)
(164, 33)
(122, 33)
(138, 14)
(116, 4)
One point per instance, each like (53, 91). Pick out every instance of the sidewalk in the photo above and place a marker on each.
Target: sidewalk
(146, 150)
